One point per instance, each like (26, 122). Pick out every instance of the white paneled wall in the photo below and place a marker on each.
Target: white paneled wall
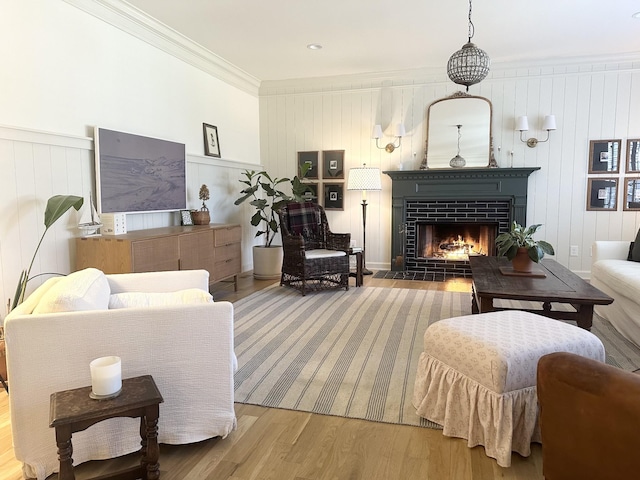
(37, 165)
(590, 101)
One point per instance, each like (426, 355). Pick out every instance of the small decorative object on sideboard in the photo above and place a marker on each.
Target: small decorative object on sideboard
(522, 250)
(202, 217)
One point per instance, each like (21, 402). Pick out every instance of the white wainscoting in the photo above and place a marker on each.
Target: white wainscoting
(37, 165)
(591, 100)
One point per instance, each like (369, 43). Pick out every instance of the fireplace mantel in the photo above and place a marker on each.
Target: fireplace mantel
(503, 184)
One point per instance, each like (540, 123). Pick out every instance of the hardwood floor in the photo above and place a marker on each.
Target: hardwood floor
(288, 445)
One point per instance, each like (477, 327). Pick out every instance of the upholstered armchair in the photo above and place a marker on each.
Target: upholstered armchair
(589, 419)
(314, 257)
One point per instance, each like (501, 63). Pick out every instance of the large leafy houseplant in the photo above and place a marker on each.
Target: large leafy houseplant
(518, 237)
(265, 194)
(56, 207)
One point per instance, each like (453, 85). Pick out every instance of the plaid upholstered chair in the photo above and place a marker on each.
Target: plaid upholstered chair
(314, 257)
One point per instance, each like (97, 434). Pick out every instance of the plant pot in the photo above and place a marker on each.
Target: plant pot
(267, 262)
(521, 262)
(201, 217)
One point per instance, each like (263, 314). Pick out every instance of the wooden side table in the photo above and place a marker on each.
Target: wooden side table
(73, 411)
(359, 267)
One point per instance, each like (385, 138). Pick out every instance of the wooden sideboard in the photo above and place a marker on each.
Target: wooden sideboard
(215, 248)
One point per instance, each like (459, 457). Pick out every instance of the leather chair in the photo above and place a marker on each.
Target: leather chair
(589, 419)
(314, 258)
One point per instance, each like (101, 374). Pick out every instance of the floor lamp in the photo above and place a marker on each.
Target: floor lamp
(364, 178)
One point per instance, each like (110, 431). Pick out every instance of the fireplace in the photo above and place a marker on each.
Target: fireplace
(455, 241)
(441, 216)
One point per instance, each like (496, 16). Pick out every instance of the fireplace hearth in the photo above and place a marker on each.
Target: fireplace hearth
(441, 216)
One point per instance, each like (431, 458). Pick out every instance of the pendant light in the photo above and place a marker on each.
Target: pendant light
(458, 161)
(470, 64)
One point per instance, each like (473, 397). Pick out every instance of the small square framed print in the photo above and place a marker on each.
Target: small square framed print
(631, 195)
(211, 144)
(604, 156)
(602, 194)
(333, 164)
(633, 155)
(185, 217)
(311, 192)
(333, 198)
(310, 159)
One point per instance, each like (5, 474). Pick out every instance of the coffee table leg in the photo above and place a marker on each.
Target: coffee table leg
(584, 316)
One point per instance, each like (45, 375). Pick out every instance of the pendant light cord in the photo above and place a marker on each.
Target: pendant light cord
(471, 26)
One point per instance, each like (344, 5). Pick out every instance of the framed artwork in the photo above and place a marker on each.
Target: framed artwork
(631, 194)
(333, 164)
(185, 217)
(333, 198)
(633, 155)
(211, 144)
(602, 194)
(311, 159)
(604, 156)
(311, 193)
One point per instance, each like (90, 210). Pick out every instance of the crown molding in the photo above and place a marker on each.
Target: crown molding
(137, 23)
(436, 76)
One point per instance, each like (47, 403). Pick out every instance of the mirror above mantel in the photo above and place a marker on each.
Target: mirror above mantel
(459, 126)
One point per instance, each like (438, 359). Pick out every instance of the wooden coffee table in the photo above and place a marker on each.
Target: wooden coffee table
(559, 285)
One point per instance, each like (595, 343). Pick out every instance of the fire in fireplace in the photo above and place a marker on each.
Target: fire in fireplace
(455, 241)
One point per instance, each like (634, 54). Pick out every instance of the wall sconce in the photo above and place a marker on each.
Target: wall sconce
(399, 132)
(522, 124)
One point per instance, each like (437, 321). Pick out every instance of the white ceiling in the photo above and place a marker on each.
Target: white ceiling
(268, 39)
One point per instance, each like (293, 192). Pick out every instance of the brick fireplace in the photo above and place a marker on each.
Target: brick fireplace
(441, 216)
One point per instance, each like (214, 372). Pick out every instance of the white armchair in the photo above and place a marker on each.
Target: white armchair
(187, 348)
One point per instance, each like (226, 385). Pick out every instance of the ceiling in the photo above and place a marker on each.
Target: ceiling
(268, 39)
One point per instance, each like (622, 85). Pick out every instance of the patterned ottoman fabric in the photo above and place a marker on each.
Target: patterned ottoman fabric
(477, 376)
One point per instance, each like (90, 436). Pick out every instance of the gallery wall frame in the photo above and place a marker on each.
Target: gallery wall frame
(333, 196)
(310, 158)
(602, 194)
(631, 194)
(311, 194)
(604, 156)
(211, 143)
(632, 164)
(333, 164)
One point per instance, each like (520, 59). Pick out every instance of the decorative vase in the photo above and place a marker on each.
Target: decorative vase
(201, 217)
(267, 262)
(521, 262)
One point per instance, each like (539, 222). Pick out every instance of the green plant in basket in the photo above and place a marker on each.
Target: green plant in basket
(517, 237)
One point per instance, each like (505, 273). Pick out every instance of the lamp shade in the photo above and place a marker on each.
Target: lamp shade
(364, 178)
(400, 131)
(376, 132)
(522, 123)
(549, 122)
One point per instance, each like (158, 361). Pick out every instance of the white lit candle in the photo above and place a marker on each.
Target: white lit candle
(106, 375)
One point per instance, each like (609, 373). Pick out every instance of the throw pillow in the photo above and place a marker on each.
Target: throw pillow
(86, 289)
(630, 251)
(635, 253)
(143, 299)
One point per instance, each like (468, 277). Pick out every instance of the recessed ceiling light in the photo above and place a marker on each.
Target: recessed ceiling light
(636, 15)
(314, 46)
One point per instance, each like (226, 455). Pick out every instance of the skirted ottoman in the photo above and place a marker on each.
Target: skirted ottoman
(477, 376)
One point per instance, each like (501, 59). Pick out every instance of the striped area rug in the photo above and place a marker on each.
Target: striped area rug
(351, 354)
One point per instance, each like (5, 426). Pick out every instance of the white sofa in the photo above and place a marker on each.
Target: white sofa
(187, 348)
(619, 278)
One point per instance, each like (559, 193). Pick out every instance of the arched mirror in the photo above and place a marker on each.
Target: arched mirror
(459, 127)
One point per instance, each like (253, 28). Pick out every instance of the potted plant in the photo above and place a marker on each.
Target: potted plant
(521, 249)
(202, 217)
(56, 207)
(264, 193)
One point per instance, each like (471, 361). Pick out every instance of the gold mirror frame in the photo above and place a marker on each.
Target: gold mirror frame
(477, 158)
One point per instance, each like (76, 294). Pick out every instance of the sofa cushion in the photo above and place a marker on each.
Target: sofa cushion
(620, 276)
(635, 252)
(143, 299)
(86, 289)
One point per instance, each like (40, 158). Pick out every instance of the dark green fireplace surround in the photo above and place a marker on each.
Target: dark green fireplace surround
(464, 195)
